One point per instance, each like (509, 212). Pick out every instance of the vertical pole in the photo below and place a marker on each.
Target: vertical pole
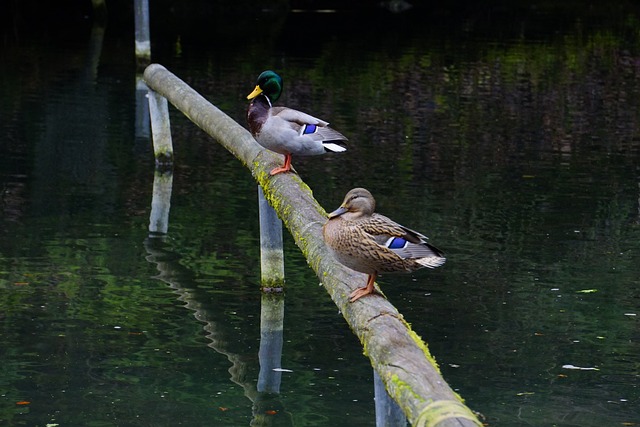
(388, 413)
(271, 312)
(163, 152)
(143, 40)
(271, 254)
(160, 129)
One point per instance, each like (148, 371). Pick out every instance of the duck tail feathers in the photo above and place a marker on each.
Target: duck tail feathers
(334, 146)
(432, 261)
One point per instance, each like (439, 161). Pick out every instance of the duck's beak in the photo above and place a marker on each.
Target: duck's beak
(257, 91)
(338, 212)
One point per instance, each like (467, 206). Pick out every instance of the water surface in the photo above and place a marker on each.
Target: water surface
(515, 147)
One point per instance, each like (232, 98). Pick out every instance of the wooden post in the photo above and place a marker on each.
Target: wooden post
(271, 254)
(160, 130)
(163, 152)
(388, 413)
(143, 40)
(403, 361)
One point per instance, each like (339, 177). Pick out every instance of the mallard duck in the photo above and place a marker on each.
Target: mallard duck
(372, 243)
(285, 130)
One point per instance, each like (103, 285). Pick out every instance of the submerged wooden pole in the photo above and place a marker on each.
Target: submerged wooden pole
(397, 353)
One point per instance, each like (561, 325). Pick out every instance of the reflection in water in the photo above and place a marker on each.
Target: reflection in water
(143, 122)
(72, 147)
(160, 203)
(264, 395)
(271, 340)
(172, 273)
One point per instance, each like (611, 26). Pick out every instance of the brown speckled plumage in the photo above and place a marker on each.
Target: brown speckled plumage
(372, 243)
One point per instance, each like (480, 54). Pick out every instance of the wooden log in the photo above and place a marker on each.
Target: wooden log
(396, 352)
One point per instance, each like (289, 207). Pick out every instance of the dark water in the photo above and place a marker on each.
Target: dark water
(513, 142)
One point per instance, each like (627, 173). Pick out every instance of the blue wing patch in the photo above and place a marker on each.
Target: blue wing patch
(396, 243)
(308, 128)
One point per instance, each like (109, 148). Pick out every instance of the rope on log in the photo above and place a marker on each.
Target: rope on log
(397, 353)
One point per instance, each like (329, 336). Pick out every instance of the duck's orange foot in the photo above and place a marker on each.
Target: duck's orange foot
(369, 289)
(282, 169)
(361, 292)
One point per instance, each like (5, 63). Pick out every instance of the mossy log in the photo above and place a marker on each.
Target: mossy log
(397, 353)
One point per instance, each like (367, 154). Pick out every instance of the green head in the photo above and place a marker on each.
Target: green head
(270, 84)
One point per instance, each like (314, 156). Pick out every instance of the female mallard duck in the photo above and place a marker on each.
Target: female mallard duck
(284, 130)
(372, 243)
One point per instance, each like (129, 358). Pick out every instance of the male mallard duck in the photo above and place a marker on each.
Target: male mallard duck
(372, 243)
(284, 130)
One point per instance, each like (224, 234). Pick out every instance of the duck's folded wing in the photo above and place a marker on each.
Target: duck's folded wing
(325, 135)
(380, 225)
(296, 116)
(429, 254)
(403, 241)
